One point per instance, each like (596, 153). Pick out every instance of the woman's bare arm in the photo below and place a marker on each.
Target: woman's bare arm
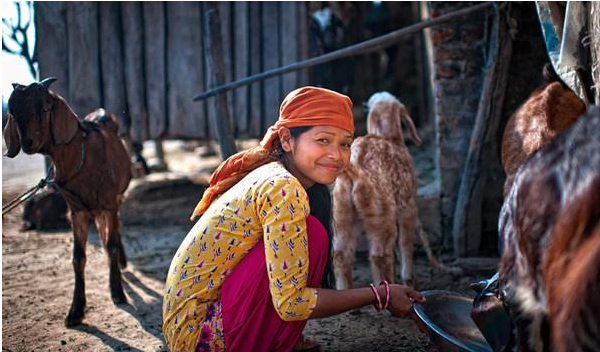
(332, 302)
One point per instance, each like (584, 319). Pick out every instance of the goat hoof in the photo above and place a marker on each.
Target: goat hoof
(119, 299)
(73, 319)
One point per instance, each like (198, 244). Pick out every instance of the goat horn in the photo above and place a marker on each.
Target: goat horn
(48, 81)
(15, 85)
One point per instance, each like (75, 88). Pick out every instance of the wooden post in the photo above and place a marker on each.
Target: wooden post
(467, 213)
(214, 60)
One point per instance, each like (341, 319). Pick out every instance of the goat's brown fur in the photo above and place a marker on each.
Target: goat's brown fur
(92, 171)
(378, 191)
(547, 112)
(550, 228)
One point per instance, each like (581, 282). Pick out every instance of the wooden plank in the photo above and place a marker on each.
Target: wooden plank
(271, 58)
(155, 73)
(219, 112)
(50, 44)
(290, 43)
(241, 58)
(111, 61)
(184, 70)
(133, 37)
(225, 8)
(467, 212)
(254, 37)
(83, 63)
(303, 40)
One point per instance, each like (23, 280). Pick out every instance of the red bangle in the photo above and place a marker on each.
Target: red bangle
(387, 293)
(377, 306)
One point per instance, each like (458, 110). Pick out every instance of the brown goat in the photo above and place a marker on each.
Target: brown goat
(378, 191)
(550, 228)
(547, 112)
(92, 171)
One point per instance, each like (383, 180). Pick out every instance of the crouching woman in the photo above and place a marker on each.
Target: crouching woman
(248, 275)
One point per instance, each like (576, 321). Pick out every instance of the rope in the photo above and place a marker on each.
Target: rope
(29, 193)
(43, 182)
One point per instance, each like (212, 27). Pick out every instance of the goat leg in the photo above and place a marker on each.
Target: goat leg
(344, 248)
(79, 222)
(107, 225)
(408, 226)
(121, 249)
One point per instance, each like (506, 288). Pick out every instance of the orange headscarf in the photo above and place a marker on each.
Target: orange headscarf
(306, 106)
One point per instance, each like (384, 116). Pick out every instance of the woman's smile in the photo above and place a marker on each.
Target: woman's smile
(330, 167)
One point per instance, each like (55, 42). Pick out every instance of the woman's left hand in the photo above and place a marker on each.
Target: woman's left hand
(401, 300)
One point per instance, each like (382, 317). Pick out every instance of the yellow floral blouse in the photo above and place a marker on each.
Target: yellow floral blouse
(268, 204)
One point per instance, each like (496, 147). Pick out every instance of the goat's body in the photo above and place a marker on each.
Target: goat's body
(104, 173)
(95, 191)
(376, 193)
(546, 113)
(92, 171)
(550, 227)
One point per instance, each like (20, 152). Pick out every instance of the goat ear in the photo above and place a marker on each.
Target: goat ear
(11, 137)
(64, 123)
(405, 116)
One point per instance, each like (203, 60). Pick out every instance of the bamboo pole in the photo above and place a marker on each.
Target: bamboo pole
(367, 46)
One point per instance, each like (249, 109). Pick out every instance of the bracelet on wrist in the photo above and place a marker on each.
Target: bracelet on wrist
(378, 306)
(387, 294)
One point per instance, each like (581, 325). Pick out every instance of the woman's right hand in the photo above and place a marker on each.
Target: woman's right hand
(401, 300)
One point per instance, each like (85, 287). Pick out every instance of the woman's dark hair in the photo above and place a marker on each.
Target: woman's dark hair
(319, 200)
(295, 132)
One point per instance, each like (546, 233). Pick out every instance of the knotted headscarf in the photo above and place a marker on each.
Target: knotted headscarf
(306, 106)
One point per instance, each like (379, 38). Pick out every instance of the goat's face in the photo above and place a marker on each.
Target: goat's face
(29, 107)
(38, 118)
(384, 119)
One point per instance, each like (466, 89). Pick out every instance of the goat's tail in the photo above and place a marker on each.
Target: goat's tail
(454, 270)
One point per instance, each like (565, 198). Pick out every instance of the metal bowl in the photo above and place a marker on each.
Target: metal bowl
(446, 317)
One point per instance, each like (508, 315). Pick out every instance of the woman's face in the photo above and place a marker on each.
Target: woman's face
(317, 155)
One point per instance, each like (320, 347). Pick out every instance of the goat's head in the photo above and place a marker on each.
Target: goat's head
(38, 118)
(385, 115)
(327, 29)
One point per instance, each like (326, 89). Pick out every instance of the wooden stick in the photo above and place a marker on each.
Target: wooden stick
(367, 46)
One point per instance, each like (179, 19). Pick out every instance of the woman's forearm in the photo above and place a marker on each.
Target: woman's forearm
(331, 302)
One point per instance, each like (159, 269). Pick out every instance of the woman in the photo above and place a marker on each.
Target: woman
(247, 276)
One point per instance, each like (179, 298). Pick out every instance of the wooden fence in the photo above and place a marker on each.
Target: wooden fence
(145, 61)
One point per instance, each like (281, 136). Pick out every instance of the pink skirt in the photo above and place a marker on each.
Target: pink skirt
(250, 322)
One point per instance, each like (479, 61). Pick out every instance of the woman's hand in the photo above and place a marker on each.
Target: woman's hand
(401, 300)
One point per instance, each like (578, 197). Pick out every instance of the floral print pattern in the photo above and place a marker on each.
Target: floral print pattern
(268, 205)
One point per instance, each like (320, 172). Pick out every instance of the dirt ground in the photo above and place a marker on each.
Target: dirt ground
(38, 281)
